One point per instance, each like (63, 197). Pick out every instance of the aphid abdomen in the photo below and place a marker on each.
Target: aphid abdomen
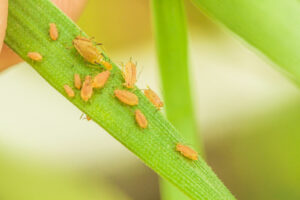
(106, 64)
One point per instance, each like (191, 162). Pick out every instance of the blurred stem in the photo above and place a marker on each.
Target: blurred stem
(171, 42)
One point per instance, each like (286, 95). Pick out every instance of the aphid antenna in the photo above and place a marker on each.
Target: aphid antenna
(104, 49)
(147, 87)
(85, 36)
(140, 72)
(69, 47)
(157, 109)
(81, 116)
(130, 89)
(80, 33)
(93, 66)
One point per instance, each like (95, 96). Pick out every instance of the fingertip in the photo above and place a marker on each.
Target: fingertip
(71, 8)
(3, 20)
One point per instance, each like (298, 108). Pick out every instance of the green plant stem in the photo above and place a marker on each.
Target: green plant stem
(27, 30)
(171, 42)
(271, 26)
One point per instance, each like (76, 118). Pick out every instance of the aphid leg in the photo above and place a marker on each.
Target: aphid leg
(80, 33)
(69, 47)
(81, 116)
(104, 49)
(123, 68)
(84, 37)
(91, 65)
(157, 109)
(140, 72)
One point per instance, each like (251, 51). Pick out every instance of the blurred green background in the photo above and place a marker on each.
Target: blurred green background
(247, 112)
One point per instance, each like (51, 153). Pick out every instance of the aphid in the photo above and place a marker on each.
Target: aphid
(87, 49)
(100, 79)
(187, 152)
(77, 81)
(127, 97)
(87, 89)
(88, 117)
(84, 116)
(129, 74)
(154, 98)
(35, 56)
(141, 119)
(53, 32)
(69, 91)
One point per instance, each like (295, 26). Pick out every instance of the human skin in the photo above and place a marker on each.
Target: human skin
(8, 58)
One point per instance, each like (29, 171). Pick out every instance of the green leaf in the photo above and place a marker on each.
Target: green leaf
(271, 26)
(27, 31)
(171, 42)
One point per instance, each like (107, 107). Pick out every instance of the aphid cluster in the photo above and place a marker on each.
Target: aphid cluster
(90, 53)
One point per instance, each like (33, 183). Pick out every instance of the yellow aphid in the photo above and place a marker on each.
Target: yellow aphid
(187, 152)
(88, 50)
(35, 56)
(154, 98)
(129, 74)
(100, 79)
(87, 89)
(69, 91)
(77, 81)
(127, 97)
(141, 119)
(53, 32)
